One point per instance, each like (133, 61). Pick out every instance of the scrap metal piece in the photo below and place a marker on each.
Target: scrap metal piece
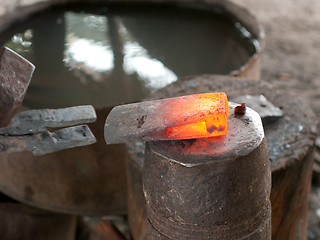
(267, 111)
(28, 131)
(35, 121)
(15, 76)
(241, 109)
(47, 142)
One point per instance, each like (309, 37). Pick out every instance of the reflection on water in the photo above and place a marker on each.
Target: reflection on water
(117, 54)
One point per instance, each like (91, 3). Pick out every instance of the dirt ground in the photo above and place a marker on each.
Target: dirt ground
(291, 58)
(291, 61)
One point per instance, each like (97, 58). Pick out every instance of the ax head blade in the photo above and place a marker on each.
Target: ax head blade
(15, 76)
(187, 117)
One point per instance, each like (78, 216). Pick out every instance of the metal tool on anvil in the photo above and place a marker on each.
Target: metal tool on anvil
(15, 76)
(187, 117)
(28, 131)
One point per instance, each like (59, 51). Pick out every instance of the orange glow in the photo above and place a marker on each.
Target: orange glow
(202, 146)
(205, 115)
(193, 129)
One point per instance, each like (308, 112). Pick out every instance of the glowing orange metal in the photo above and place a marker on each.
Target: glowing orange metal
(209, 117)
(187, 117)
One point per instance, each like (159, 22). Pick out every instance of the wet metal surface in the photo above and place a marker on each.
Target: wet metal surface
(15, 76)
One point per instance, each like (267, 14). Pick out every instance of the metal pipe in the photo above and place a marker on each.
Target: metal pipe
(214, 188)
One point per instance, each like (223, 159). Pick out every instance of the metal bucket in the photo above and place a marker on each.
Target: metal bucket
(92, 179)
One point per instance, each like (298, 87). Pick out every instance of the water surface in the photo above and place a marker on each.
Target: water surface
(107, 55)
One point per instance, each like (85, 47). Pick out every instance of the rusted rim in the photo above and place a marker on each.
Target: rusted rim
(254, 26)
